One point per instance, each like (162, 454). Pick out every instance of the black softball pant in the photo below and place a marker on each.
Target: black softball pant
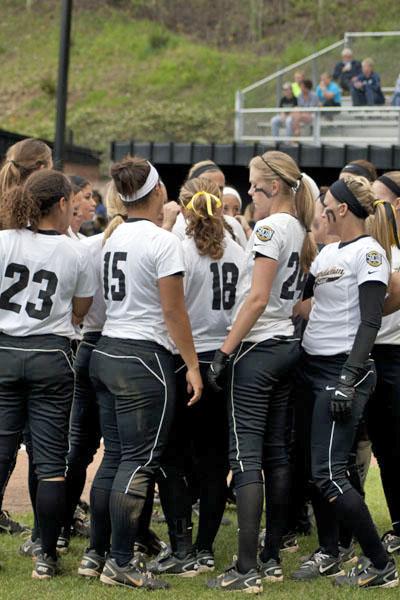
(36, 389)
(383, 422)
(259, 418)
(197, 450)
(84, 428)
(335, 500)
(135, 387)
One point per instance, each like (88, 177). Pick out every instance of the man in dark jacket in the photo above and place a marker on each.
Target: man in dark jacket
(346, 70)
(366, 88)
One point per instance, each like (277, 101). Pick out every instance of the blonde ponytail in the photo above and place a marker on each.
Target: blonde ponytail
(115, 210)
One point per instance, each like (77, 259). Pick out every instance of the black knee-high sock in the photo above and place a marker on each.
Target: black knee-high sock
(33, 487)
(277, 496)
(125, 512)
(75, 481)
(327, 523)
(249, 501)
(145, 517)
(213, 491)
(50, 507)
(100, 520)
(176, 501)
(353, 512)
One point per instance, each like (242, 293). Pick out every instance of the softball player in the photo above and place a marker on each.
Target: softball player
(347, 281)
(266, 352)
(383, 411)
(22, 159)
(45, 281)
(209, 170)
(132, 366)
(213, 266)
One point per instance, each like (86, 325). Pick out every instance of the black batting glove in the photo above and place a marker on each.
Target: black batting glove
(343, 394)
(217, 371)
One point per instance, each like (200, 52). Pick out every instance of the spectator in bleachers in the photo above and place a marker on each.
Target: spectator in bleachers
(346, 70)
(299, 77)
(307, 99)
(328, 91)
(288, 100)
(366, 89)
(396, 95)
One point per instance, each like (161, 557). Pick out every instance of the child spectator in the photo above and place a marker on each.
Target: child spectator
(296, 85)
(346, 70)
(307, 99)
(328, 91)
(288, 100)
(366, 89)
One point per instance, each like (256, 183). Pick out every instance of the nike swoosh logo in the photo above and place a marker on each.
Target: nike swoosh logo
(323, 569)
(226, 583)
(370, 272)
(329, 388)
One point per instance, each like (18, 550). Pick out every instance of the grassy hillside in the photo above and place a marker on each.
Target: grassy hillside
(129, 78)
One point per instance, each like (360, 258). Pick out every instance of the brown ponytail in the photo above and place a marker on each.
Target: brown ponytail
(25, 205)
(207, 230)
(278, 165)
(22, 159)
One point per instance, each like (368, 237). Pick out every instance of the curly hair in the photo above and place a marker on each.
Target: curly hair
(25, 205)
(207, 230)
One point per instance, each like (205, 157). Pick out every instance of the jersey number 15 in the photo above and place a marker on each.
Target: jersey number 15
(117, 289)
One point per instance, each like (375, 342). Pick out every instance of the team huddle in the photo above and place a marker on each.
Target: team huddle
(202, 356)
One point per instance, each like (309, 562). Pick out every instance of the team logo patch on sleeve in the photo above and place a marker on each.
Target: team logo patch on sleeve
(374, 259)
(264, 233)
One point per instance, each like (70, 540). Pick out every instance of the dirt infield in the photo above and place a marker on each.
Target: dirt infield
(16, 499)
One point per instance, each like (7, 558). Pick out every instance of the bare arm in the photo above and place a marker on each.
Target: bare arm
(178, 325)
(80, 307)
(263, 276)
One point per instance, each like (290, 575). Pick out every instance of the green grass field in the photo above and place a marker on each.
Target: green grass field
(16, 582)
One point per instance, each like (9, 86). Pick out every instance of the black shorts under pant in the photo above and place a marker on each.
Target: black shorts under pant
(135, 386)
(331, 442)
(258, 404)
(36, 390)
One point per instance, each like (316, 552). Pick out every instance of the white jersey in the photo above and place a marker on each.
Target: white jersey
(338, 270)
(280, 237)
(179, 229)
(95, 318)
(210, 292)
(40, 273)
(389, 332)
(135, 257)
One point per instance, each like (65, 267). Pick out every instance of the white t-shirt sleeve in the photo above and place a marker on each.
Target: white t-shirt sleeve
(87, 282)
(169, 258)
(372, 265)
(268, 240)
(179, 227)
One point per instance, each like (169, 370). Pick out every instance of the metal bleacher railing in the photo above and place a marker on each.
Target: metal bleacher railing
(363, 125)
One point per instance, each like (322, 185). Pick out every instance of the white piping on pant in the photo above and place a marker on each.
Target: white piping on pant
(136, 358)
(163, 381)
(40, 350)
(201, 362)
(239, 356)
(330, 459)
(233, 415)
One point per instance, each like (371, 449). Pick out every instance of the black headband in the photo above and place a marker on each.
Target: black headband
(341, 193)
(289, 183)
(203, 169)
(357, 170)
(390, 184)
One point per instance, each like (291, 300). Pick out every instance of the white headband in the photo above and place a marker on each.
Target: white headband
(150, 183)
(230, 191)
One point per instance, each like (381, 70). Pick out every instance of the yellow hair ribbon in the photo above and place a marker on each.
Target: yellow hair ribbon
(209, 198)
(377, 202)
